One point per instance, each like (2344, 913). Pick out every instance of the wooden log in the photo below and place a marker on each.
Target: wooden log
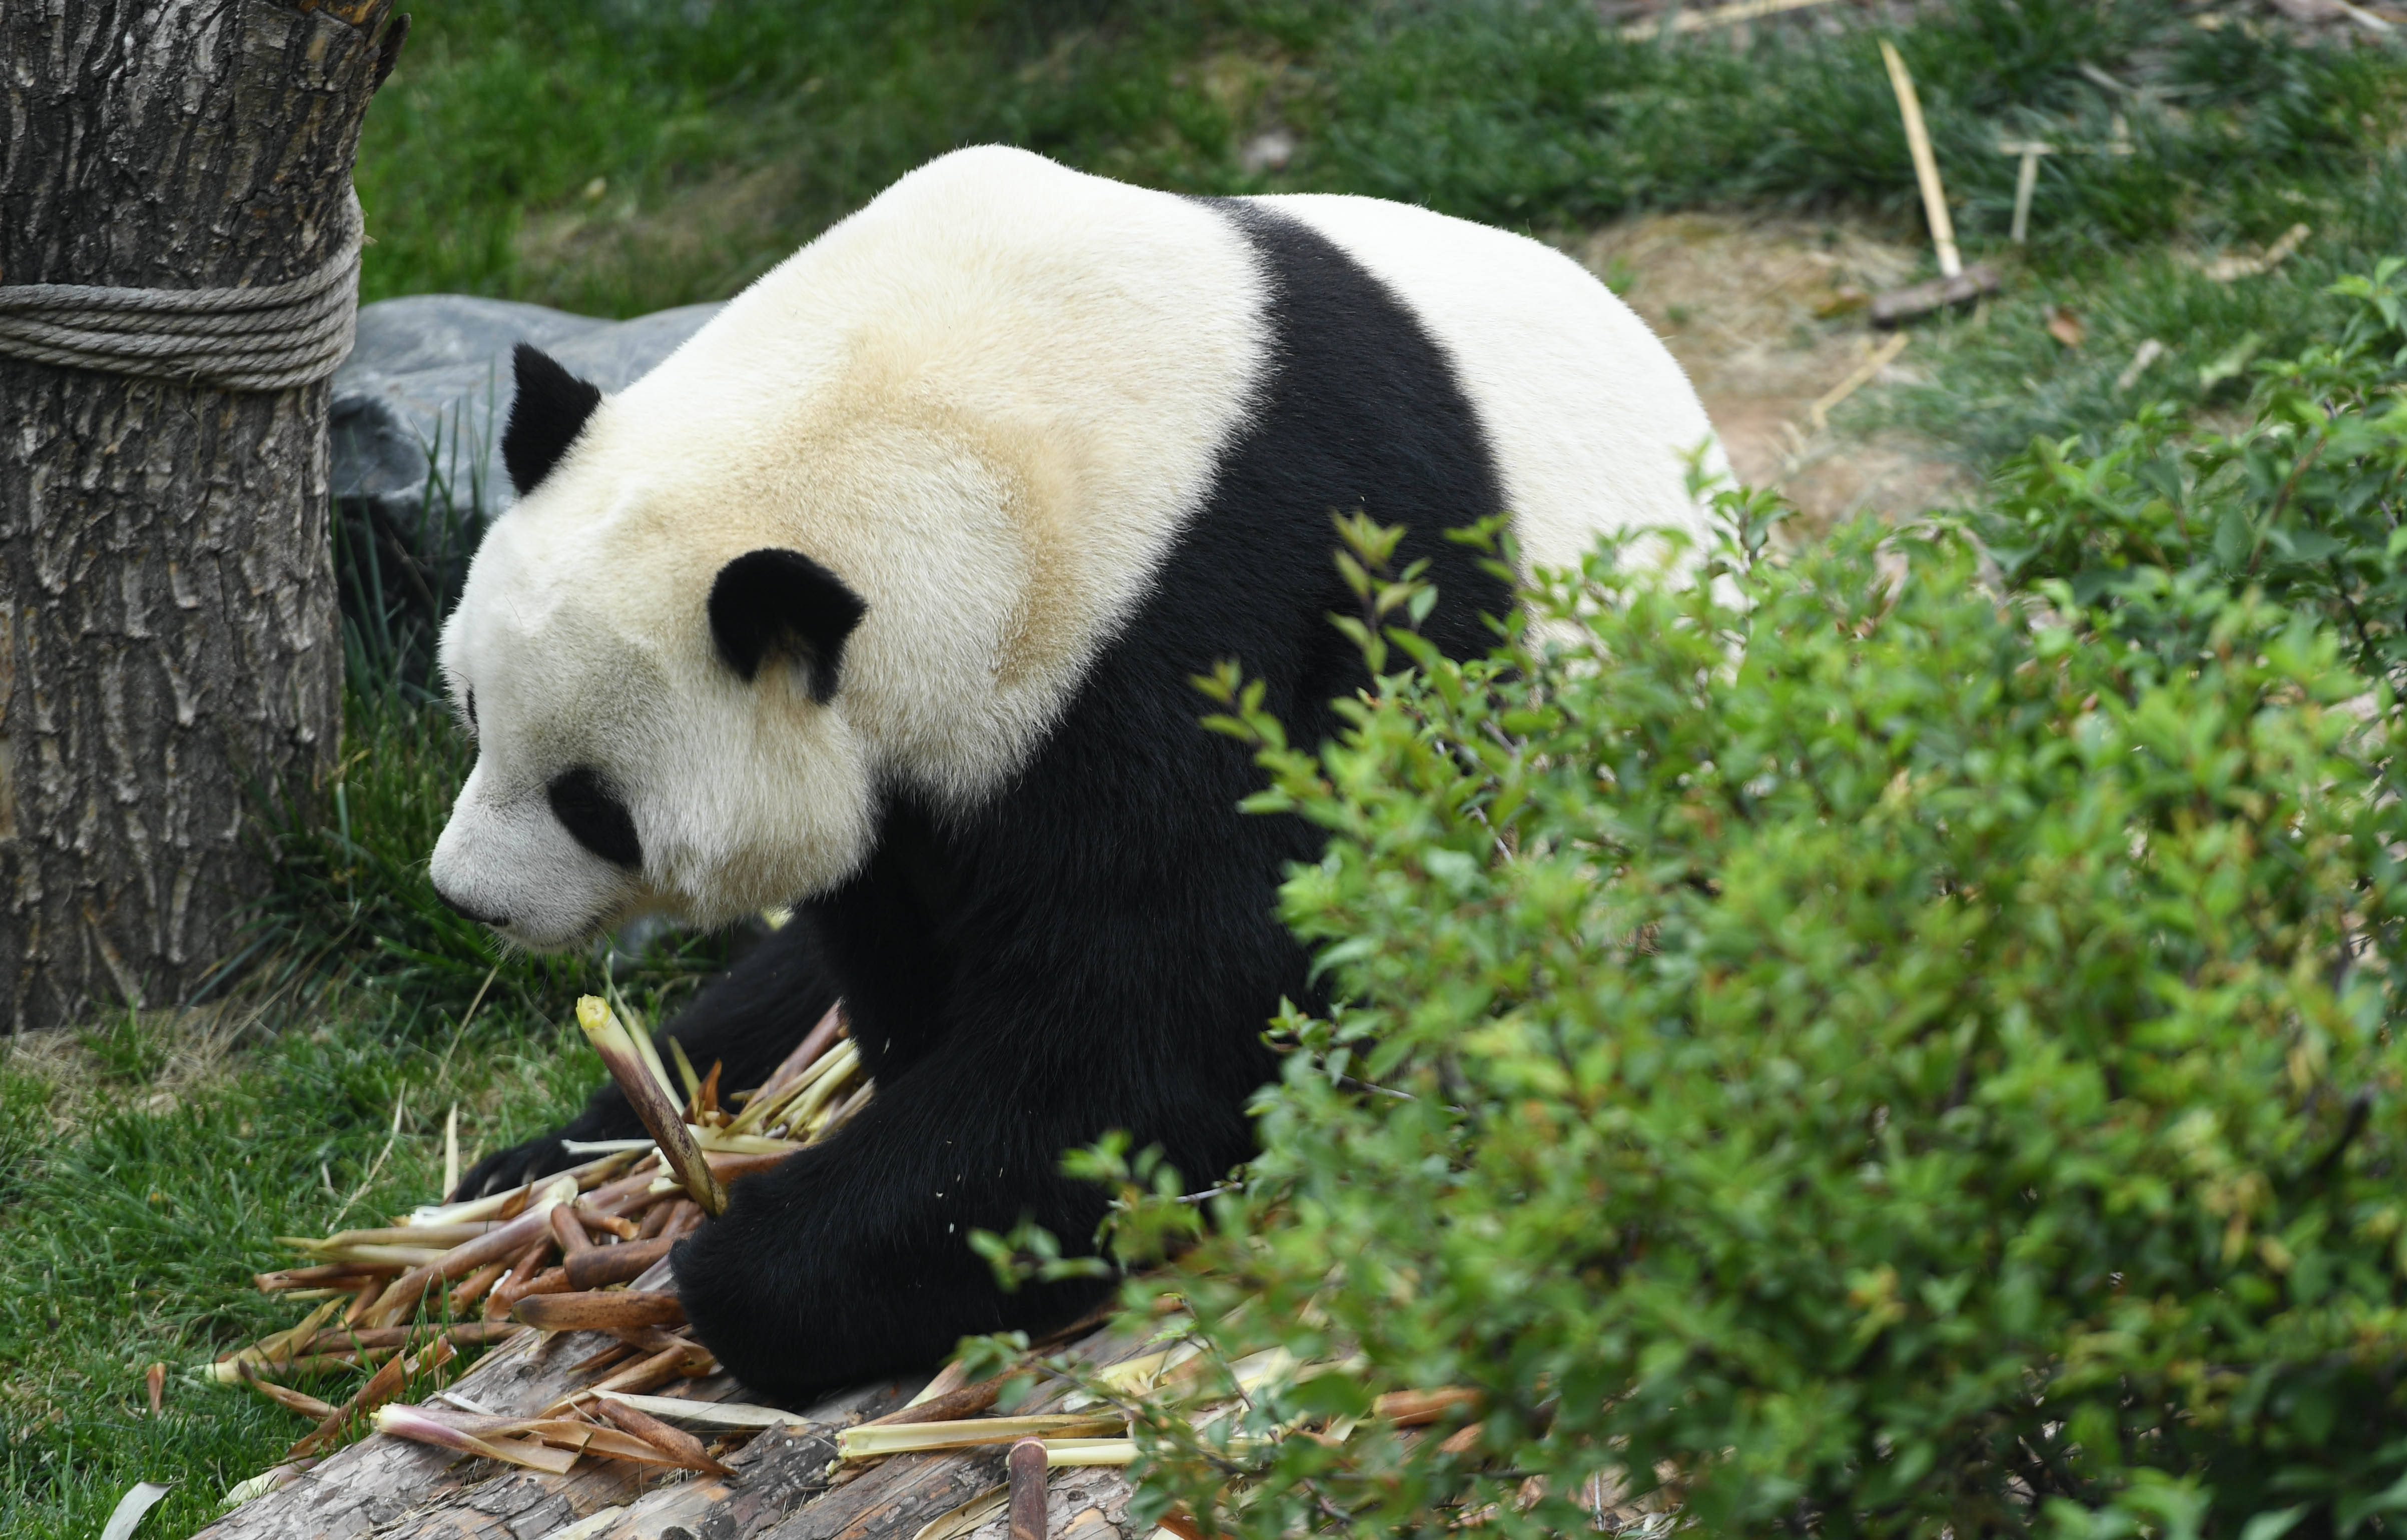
(776, 1474)
(1900, 305)
(404, 1491)
(897, 1498)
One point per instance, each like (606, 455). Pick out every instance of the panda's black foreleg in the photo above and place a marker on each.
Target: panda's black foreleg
(850, 1260)
(747, 1020)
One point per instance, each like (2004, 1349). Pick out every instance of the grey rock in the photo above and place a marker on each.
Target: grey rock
(421, 403)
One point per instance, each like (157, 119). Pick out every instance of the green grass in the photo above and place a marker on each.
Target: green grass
(144, 1173)
(622, 158)
(130, 1236)
(619, 157)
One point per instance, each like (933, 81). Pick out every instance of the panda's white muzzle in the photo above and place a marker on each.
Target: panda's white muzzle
(509, 863)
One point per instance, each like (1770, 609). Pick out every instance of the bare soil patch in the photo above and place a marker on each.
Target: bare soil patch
(1766, 315)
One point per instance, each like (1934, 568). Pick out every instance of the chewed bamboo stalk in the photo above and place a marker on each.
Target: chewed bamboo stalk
(396, 1258)
(286, 1397)
(823, 1037)
(467, 1333)
(594, 1218)
(838, 1066)
(726, 1165)
(492, 1245)
(707, 1413)
(869, 1440)
(267, 1348)
(1027, 1463)
(613, 1444)
(499, 1205)
(687, 1357)
(649, 1339)
(604, 1265)
(962, 1401)
(442, 1237)
(548, 1251)
(687, 1077)
(381, 1387)
(1089, 1451)
(264, 1482)
(598, 1311)
(420, 1426)
(632, 1065)
(302, 1367)
(842, 1113)
(1419, 1408)
(682, 1448)
(345, 1276)
(803, 1094)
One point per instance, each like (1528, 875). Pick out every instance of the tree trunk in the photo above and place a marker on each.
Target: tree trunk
(168, 650)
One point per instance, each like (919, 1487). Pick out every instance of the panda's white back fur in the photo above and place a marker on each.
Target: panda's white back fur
(989, 400)
(1591, 422)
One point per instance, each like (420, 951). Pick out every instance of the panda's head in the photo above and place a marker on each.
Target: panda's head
(657, 693)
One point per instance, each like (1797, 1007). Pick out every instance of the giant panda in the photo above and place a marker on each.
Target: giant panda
(882, 598)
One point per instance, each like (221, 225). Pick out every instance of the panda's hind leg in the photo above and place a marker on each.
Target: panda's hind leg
(747, 1021)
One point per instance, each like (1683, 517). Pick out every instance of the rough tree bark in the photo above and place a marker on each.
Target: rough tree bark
(167, 630)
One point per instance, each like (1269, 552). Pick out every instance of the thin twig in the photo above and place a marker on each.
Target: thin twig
(1926, 164)
(360, 1190)
(444, 1068)
(1720, 16)
(1880, 358)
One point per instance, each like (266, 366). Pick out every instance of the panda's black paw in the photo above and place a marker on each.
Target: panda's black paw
(508, 1168)
(827, 1271)
(607, 1116)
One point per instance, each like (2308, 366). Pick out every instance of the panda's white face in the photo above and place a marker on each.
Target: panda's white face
(621, 765)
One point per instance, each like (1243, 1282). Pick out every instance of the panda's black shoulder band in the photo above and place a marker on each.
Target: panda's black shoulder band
(778, 602)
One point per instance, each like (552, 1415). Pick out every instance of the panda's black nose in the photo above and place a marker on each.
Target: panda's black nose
(496, 922)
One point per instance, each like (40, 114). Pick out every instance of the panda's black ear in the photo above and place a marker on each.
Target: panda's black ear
(780, 603)
(545, 415)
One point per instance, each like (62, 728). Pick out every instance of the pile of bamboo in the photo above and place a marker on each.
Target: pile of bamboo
(575, 1253)
(555, 1255)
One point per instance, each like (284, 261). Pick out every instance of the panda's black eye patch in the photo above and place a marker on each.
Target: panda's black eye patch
(468, 699)
(595, 817)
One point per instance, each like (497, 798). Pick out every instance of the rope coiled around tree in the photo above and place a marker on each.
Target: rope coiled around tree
(269, 336)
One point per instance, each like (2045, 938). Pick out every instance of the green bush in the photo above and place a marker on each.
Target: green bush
(2302, 505)
(1840, 1048)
